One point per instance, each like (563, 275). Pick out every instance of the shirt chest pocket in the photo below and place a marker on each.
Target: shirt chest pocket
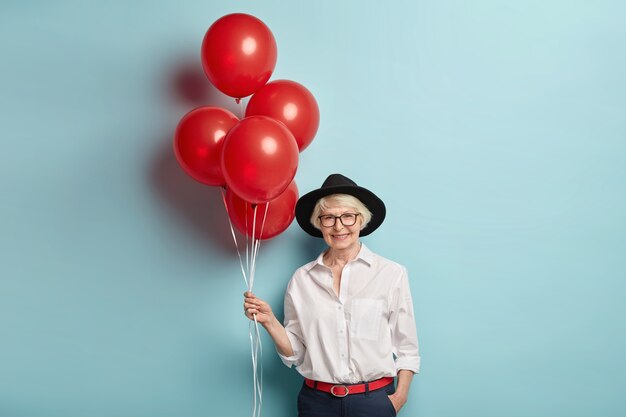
(366, 317)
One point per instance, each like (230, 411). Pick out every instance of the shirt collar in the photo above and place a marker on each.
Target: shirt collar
(364, 255)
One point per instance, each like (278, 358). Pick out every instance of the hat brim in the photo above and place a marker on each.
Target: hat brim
(306, 204)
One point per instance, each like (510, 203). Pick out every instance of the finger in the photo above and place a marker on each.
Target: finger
(251, 303)
(393, 402)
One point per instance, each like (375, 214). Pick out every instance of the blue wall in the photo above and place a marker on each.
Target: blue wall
(495, 131)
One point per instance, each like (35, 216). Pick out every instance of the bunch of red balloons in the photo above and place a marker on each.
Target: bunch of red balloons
(255, 159)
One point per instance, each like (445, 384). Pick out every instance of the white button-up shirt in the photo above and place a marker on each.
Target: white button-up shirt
(365, 333)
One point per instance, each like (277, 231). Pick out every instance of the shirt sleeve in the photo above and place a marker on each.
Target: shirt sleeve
(292, 326)
(403, 329)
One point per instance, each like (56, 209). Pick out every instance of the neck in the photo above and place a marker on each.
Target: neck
(342, 256)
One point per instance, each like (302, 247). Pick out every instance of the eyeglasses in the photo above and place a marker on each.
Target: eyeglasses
(347, 219)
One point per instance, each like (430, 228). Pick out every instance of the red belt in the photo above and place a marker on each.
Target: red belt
(340, 390)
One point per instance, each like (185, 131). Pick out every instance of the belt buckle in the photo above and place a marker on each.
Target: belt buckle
(345, 394)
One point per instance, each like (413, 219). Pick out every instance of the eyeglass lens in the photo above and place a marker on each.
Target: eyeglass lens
(347, 219)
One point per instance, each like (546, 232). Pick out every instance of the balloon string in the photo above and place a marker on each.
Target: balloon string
(241, 112)
(258, 242)
(257, 366)
(267, 206)
(255, 342)
(247, 244)
(254, 369)
(232, 231)
(256, 347)
(256, 410)
(258, 359)
(253, 247)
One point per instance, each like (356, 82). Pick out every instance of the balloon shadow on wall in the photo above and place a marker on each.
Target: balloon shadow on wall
(198, 206)
(189, 87)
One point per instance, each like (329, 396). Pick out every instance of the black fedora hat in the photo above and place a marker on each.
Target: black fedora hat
(339, 184)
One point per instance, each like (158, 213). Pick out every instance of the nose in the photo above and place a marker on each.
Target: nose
(338, 225)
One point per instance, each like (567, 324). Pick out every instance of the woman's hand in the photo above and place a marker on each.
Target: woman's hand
(398, 400)
(255, 306)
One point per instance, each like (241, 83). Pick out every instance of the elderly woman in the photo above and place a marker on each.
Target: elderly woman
(349, 327)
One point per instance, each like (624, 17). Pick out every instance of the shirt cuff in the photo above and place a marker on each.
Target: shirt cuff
(289, 361)
(297, 347)
(409, 363)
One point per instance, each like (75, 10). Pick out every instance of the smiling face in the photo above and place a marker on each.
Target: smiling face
(339, 237)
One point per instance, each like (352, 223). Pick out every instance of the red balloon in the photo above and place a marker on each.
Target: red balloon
(238, 54)
(199, 140)
(280, 213)
(292, 104)
(259, 159)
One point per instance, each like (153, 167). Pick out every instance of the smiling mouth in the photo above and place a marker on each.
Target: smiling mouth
(343, 236)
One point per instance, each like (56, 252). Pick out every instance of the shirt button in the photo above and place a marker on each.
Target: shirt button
(339, 308)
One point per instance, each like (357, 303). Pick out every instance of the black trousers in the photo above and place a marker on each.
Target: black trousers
(315, 403)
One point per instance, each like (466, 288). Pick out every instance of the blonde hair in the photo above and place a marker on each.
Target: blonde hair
(343, 200)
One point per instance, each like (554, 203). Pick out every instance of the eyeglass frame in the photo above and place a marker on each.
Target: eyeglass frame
(356, 215)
